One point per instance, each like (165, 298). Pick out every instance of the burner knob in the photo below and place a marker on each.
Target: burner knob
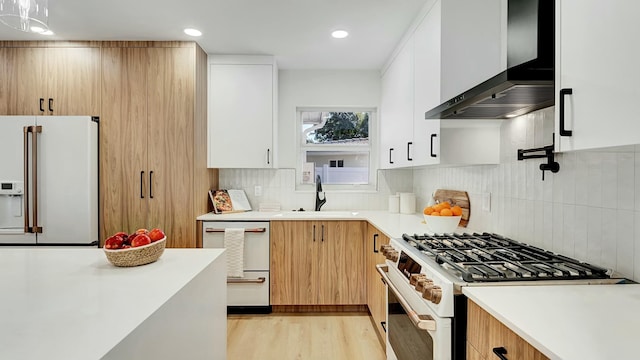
(427, 292)
(436, 295)
(422, 283)
(413, 280)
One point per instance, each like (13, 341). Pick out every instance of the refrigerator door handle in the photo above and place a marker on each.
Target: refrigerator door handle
(26, 131)
(34, 162)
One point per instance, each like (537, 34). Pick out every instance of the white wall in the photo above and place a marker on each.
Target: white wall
(298, 88)
(589, 210)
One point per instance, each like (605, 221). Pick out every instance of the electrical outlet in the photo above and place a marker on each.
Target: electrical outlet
(257, 190)
(486, 202)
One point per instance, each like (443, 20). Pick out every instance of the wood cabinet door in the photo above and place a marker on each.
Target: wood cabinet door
(170, 138)
(9, 83)
(339, 263)
(30, 70)
(73, 81)
(123, 140)
(292, 253)
(376, 290)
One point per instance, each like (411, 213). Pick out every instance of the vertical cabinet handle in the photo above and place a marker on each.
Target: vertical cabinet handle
(433, 136)
(268, 156)
(314, 233)
(322, 233)
(151, 184)
(42, 104)
(409, 151)
(51, 104)
(375, 246)
(563, 93)
(26, 131)
(390, 161)
(141, 181)
(500, 352)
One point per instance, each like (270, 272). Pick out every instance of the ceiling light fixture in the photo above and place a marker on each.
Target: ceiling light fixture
(193, 32)
(25, 15)
(340, 34)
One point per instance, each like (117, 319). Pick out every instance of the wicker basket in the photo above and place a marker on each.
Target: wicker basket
(136, 256)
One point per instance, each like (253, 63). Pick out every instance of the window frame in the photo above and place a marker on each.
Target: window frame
(302, 147)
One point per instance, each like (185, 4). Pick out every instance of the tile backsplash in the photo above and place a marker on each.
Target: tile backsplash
(589, 210)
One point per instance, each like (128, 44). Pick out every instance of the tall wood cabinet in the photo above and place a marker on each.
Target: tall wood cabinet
(153, 139)
(376, 290)
(317, 262)
(50, 78)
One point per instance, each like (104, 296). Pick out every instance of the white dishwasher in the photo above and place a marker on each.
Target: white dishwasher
(249, 294)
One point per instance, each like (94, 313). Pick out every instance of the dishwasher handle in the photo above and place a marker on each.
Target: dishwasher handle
(217, 230)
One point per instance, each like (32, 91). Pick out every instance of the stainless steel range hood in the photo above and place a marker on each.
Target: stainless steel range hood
(528, 83)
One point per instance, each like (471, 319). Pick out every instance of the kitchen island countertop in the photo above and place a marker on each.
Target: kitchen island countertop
(71, 303)
(572, 322)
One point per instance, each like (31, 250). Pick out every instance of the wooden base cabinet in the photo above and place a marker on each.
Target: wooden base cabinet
(485, 333)
(376, 290)
(317, 262)
(153, 139)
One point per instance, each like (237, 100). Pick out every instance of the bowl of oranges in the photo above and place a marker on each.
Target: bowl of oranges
(442, 218)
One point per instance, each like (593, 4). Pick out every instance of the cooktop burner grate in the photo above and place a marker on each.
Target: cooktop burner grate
(492, 258)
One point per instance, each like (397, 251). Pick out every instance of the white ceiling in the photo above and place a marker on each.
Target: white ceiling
(297, 32)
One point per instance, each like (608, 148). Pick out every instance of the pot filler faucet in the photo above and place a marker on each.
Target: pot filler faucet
(319, 200)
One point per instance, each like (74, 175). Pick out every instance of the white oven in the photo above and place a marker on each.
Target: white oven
(414, 331)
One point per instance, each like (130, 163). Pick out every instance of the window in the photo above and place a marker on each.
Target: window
(335, 144)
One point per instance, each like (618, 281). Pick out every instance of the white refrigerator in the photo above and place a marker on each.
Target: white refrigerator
(48, 180)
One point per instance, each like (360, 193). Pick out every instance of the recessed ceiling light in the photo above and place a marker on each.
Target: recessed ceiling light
(193, 32)
(340, 34)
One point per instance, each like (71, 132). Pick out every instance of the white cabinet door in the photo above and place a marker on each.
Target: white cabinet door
(427, 62)
(241, 115)
(396, 110)
(597, 57)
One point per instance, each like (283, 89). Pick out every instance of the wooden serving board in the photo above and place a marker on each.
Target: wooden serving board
(455, 197)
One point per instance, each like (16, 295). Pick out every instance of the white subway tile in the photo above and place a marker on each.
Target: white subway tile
(580, 235)
(609, 180)
(625, 242)
(626, 181)
(609, 254)
(569, 229)
(636, 246)
(594, 235)
(547, 242)
(558, 228)
(594, 179)
(568, 174)
(637, 179)
(581, 182)
(538, 223)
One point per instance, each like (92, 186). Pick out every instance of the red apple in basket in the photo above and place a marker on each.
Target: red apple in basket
(140, 240)
(114, 242)
(156, 234)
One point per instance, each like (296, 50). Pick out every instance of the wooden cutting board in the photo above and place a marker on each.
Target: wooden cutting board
(455, 197)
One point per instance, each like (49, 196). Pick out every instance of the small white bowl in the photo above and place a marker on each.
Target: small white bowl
(442, 224)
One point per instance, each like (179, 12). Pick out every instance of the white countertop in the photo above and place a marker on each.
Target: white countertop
(572, 322)
(72, 303)
(392, 225)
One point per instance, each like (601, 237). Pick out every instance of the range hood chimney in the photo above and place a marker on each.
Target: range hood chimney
(528, 83)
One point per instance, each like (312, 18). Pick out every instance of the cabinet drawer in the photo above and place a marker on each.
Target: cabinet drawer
(249, 293)
(256, 241)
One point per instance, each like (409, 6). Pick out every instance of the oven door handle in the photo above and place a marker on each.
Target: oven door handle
(424, 322)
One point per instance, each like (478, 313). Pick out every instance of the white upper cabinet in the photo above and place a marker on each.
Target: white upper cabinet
(242, 111)
(597, 76)
(396, 110)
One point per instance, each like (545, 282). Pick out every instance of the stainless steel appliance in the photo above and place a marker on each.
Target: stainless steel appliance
(48, 180)
(425, 275)
(249, 294)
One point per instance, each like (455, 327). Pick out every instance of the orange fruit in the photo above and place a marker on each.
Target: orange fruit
(456, 210)
(438, 207)
(446, 205)
(435, 213)
(446, 212)
(428, 210)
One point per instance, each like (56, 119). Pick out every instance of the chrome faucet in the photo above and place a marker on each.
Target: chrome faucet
(319, 200)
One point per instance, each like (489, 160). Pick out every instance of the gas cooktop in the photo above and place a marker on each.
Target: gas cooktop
(493, 258)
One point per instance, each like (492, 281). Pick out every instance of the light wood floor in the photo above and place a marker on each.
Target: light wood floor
(305, 336)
